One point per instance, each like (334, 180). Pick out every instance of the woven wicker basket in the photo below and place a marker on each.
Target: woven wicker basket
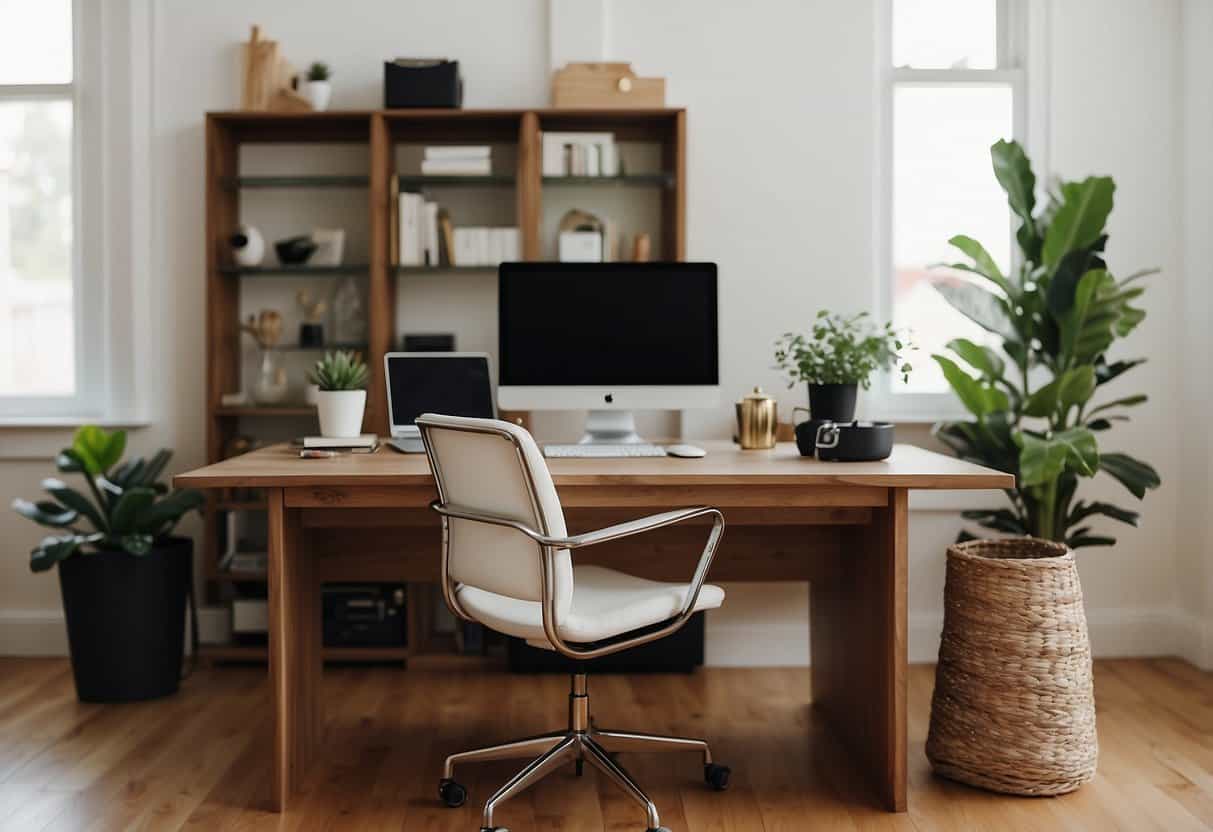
(1014, 706)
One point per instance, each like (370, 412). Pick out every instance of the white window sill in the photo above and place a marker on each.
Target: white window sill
(42, 438)
(59, 422)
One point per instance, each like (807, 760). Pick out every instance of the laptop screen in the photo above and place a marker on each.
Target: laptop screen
(453, 385)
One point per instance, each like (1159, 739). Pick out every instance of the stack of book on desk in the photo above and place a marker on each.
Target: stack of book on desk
(457, 161)
(364, 444)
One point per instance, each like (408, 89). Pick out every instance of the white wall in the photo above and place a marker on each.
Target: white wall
(781, 143)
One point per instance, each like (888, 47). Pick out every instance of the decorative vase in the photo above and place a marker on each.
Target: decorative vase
(330, 246)
(349, 312)
(248, 246)
(833, 402)
(340, 412)
(318, 94)
(271, 386)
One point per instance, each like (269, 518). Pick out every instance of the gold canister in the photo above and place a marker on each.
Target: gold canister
(756, 421)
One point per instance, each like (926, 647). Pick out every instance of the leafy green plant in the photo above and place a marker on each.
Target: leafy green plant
(841, 350)
(1056, 315)
(129, 510)
(319, 71)
(341, 370)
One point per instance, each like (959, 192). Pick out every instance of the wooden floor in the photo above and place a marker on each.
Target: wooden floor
(198, 760)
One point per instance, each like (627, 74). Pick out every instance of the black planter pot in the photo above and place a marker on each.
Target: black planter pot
(126, 621)
(833, 402)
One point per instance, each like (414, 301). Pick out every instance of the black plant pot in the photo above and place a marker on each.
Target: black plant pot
(833, 402)
(126, 621)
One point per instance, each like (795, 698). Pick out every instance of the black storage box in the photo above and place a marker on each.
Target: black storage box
(422, 82)
(364, 615)
(681, 652)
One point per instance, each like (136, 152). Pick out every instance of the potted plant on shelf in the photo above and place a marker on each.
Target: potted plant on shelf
(836, 358)
(317, 86)
(123, 575)
(1054, 319)
(341, 378)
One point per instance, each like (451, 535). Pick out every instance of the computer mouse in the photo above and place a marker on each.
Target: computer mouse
(685, 451)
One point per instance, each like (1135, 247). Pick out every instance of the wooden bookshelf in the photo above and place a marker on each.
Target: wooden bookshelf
(380, 133)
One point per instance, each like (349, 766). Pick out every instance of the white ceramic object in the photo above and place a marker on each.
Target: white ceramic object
(318, 94)
(330, 246)
(248, 246)
(340, 412)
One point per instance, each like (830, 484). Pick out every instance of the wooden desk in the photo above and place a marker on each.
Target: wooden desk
(840, 526)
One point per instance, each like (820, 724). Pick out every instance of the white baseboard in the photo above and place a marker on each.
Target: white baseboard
(1114, 632)
(44, 632)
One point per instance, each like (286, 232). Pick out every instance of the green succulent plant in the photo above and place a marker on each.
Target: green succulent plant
(130, 508)
(341, 370)
(319, 71)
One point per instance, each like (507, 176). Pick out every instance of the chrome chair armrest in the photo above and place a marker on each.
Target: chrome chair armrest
(632, 527)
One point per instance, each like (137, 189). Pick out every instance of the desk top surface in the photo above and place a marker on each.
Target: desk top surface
(279, 466)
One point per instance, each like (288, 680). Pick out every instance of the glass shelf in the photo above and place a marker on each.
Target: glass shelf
(234, 182)
(295, 271)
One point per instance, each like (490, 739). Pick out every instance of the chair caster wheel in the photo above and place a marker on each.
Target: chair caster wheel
(717, 776)
(579, 767)
(451, 793)
(658, 829)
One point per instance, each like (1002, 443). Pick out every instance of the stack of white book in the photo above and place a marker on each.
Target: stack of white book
(457, 161)
(419, 231)
(486, 246)
(580, 154)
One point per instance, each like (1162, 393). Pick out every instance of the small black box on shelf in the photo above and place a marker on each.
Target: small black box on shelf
(429, 342)
(422, 82)
(681, 652)
(364, 615)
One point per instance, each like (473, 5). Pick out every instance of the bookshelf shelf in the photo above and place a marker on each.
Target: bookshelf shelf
(357, 347)
(233, 183)
(420, 181)
(635, 180)
(295, 271)
(517, 192)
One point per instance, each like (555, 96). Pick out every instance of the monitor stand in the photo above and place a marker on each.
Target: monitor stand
(610, 427)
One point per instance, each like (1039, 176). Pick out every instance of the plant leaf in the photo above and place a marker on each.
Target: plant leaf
(69, 462)
(137, 544)
(1083, 510)
(51, 550)
(127, 509)
(46, 513)
(1127, 401)
(979, 399)
(1105, 372)
(73, 499)
(1089, 540)
(1014, 173)
(168, 510)
(1081, 218)
(983, 263)
(155, 467)
(1040, 460)
(1133, 474)
(1082, 451)
(981, 358)
(98, 448)
(979, 305)
(1000, 519)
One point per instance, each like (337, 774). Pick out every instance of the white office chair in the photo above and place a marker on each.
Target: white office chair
(506, 563)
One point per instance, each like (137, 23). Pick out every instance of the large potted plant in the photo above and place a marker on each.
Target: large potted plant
(836, 358)
(1036, 398)
(123, 576)
(341, 378)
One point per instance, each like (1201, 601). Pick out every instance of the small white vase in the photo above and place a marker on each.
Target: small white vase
(340, 412)
(318, 94)
(248, 246)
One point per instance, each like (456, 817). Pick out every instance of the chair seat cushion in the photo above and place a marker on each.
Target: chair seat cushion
(606, 603)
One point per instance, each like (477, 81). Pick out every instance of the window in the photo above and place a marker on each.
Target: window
(953, 83)
(40, 331)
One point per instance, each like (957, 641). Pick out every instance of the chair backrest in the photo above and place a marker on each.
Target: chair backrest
(494, 467)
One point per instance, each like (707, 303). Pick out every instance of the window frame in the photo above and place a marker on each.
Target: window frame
(1021, 51)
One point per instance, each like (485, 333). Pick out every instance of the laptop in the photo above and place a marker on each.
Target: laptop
(450, 383)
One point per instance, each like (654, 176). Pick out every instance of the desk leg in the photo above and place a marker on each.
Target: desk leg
(858, 642)
(294, 647)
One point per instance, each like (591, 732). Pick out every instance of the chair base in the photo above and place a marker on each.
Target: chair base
(582, 741)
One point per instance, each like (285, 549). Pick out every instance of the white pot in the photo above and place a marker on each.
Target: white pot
(248, 246)
(318, 94)
(340, 412)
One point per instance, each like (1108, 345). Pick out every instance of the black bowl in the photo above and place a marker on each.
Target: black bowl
(855, 442)
(295, 251)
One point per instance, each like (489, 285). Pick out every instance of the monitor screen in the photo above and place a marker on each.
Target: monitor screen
(629, 324)
(453, 385)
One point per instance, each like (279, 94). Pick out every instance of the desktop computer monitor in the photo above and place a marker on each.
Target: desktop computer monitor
(608, 337)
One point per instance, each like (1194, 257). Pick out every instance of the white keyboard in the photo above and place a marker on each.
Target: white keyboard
(602, 451)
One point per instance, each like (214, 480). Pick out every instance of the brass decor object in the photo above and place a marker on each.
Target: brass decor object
(757, 423)
(1014, 705)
